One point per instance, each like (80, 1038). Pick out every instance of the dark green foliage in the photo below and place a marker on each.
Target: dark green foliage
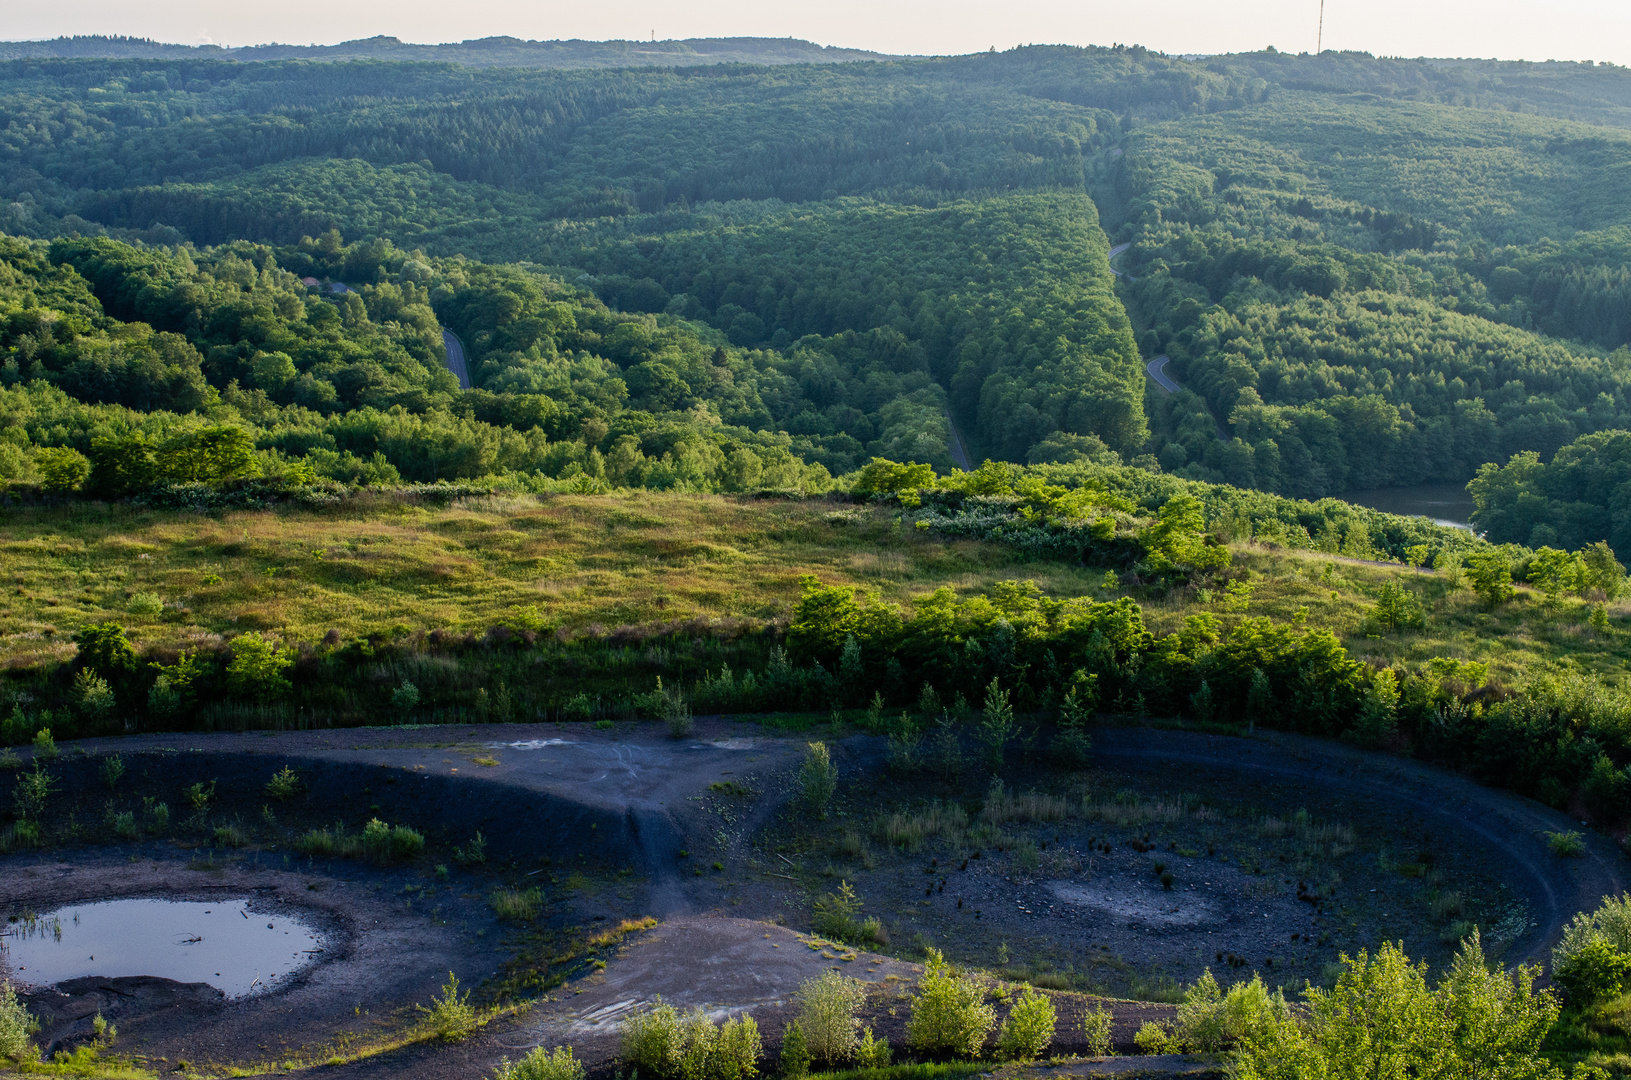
(1595, 972)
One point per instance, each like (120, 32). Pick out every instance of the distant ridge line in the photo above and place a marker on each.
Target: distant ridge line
(477, 52)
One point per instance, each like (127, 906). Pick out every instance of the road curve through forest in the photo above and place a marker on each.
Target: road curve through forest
(455, 348)
(455, 358)
(1156, 369)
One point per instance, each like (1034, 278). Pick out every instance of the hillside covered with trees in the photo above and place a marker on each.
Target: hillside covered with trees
(1367, 272)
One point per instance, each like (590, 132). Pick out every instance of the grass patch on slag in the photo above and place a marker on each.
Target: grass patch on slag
(516, 905)
(925, 1070)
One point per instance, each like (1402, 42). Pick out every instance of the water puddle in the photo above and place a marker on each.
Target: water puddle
(530, 744)
(225, 943)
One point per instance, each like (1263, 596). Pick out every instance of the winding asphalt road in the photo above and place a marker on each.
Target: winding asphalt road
(455, 348)
(1156, 369)
(455, 358)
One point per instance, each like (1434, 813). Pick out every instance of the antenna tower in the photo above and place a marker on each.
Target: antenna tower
(1319, 40)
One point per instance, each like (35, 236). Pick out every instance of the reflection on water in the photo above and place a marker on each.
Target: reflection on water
(1446, 504)
(225, 944)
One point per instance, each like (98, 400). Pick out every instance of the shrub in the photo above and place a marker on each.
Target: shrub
(650, 1039)
(1381, 1013)
(1594, 972)
(827, 1007)
(1397, 608)
(516, 905)
(163, 699)
(737, 1050)
(949, 1014)
(997, 725)
(93, 697)
(1491, 577)
(1565, 844)
(676, 715)
(285, 783)
(200, 795)
(450, 1017)
(872, 1053)
(473, 853)
(15, 1026)
(579, 708)
(158, 816)
(230, 836)
(31, 792)
(541, 1064)
(105, 650)
(795, 1057)
(1072, 745)
(1152, 1038)
(124, 824)
(257, 666)
(1096, 1030)
(818, 779)
(1028, 1031)
(1210, 1020)
(668, 705)
(1585, 961)
(147, 604)
(662, 1043)
(837, 915)
(405, 698)
(62, 468)
(45, 747)
(111, 770)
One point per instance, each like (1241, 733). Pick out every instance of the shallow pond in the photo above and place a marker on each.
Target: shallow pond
(1445, 504)
(225, 943)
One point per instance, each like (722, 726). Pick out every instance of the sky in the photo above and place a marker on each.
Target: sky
(1507, 29)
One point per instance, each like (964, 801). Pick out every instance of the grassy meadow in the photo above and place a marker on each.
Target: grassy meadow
(591, 563)
(376, 562)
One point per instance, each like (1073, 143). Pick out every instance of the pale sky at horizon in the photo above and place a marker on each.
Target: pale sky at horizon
(1507, 29)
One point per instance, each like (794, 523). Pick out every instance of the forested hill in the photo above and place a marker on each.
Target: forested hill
(477, 52)
(1366, 272)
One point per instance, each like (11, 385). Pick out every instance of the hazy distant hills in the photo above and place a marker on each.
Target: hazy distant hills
(482, 52)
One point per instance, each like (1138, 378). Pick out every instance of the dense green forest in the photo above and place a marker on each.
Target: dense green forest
(1366, 272)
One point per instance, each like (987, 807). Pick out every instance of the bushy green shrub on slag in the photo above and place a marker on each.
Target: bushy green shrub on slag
(662, 1043)
(15, 1026)
(949, 1013)
(827, 1007)
(541, 1064)
(1028, 1031)
(1210, 1020)
(818, 779)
